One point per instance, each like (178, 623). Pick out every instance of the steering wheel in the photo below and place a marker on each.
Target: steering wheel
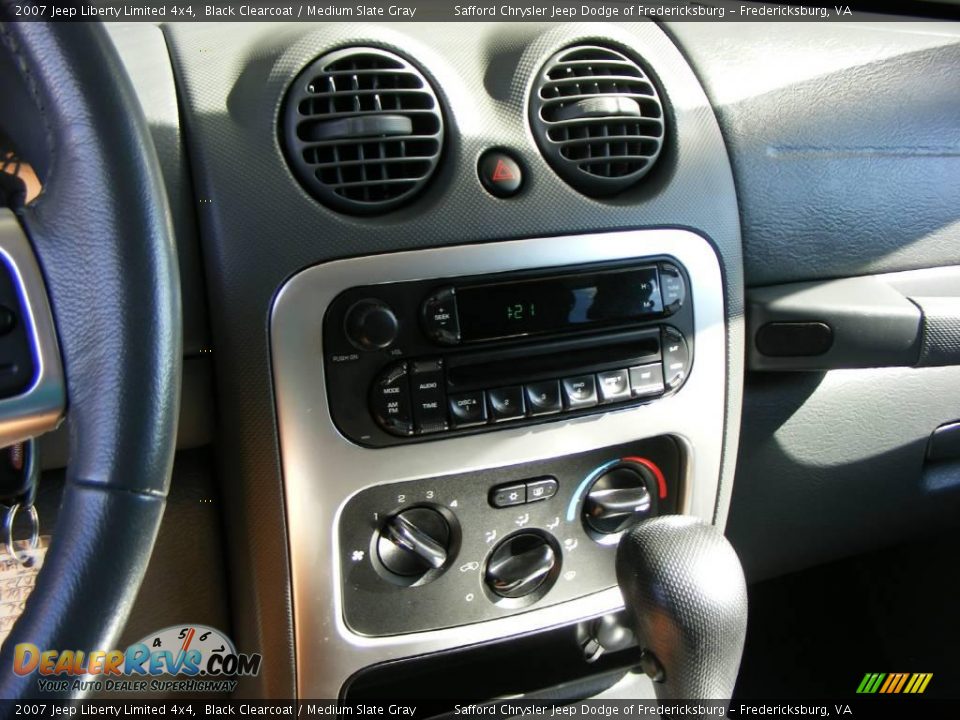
(102, 236)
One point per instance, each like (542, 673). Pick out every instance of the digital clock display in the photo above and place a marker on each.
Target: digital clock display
(545, 305)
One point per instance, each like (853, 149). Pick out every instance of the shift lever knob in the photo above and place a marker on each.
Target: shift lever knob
(685, 594)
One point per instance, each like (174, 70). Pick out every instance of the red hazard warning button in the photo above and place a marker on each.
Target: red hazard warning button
(499, 173)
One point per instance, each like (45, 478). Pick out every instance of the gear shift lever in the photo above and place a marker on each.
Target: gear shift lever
(685, 594)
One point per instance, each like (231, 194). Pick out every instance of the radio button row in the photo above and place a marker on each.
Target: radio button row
(543, 398)
(646, 380)
(468, 409)
(410, 397)
(579, 392)
(506, 403)
(614, 385)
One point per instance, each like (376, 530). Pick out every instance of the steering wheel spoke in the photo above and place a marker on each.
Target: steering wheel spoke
(32, 388)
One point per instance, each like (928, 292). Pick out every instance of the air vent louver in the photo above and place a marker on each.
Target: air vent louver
(362, 130)
(597, 118)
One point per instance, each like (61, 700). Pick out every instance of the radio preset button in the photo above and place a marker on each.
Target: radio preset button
(428, 395)
(646, 380)
(468, 409)
(390, 401)
(543, 398)
(614, 385)
(508, 495)
(439, 317)
(579, 392)
(506, 403)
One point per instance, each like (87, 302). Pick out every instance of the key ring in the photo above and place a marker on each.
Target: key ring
(8, 519)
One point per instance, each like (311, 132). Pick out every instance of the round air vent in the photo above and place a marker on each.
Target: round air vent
(362, 130)
(597, 118)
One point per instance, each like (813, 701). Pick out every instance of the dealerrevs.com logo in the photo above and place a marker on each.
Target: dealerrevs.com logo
(180, 658)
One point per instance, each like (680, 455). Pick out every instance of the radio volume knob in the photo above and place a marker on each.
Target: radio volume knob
(371, 325)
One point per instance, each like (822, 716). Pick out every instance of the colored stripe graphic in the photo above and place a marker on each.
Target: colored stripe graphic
(903, 679)
(870, 683)
(894, 683)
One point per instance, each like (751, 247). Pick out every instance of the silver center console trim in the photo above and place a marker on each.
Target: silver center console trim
(40, 407)
(322, 469)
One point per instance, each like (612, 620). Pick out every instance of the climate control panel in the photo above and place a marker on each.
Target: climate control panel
(461, 549)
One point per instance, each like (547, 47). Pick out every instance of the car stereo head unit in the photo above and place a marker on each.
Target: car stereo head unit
(415, 360)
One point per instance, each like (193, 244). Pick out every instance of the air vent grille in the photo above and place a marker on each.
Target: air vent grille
(363, 130)
(598, 118)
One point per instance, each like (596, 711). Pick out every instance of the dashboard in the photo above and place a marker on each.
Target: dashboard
(432, 427)
(292, 250)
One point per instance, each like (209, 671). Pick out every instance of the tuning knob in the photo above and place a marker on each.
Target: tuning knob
(522, 566)
(618, 499)
(414, 542)
(371, 325)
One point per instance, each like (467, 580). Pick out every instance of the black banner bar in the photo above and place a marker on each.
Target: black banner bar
(859, 707)
(468, 11)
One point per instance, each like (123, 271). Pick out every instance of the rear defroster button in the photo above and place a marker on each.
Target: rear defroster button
(541, 489)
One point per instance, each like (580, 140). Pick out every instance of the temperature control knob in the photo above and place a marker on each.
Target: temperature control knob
(620, 498)
(521, 565)
(414, 542)
(371, 325)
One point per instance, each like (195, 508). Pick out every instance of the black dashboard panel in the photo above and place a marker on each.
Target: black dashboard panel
(259, 227)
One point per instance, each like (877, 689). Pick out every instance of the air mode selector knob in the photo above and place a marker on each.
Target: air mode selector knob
(414, 542)
(619, 498)
(371, 325)
(521, 565)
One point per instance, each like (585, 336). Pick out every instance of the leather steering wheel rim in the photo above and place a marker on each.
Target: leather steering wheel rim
(102, 234)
